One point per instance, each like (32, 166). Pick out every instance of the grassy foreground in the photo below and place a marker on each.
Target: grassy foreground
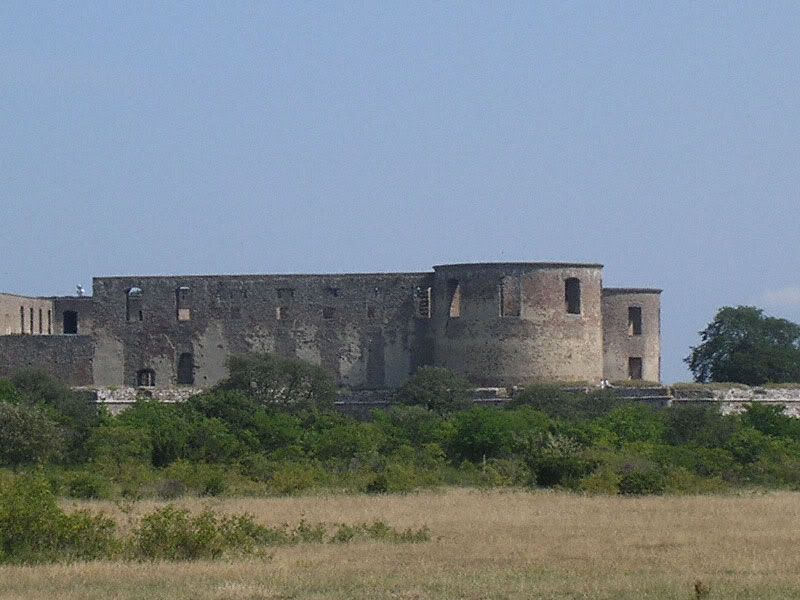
(496, 544)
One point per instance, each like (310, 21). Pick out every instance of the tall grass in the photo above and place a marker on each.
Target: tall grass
(492, 544)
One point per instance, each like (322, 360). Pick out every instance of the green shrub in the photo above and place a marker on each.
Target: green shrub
(34, 529)
(172, 533)
(87, 486)
(641, 479)
(603, 481)
(558, 460)
(437, 389)
(291, 478)
(170, 489)
(380, 531)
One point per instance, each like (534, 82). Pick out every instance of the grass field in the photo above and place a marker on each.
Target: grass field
(495, 544)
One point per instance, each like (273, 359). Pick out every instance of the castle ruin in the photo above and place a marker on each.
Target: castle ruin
(497, 324)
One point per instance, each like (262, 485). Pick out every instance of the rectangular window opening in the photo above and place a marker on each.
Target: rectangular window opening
(635, 367)
(183, 303)
(328, 312)
(49, 322)
(634, 320)
(509, 296)
(41, 323)
(22, 319)
(31, 322)
(281, 313)
(422, 302)
(572, 296)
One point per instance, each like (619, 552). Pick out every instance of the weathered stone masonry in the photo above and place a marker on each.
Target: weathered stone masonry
(496, 323)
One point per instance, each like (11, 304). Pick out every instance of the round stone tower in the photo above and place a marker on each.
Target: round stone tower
(519, 323)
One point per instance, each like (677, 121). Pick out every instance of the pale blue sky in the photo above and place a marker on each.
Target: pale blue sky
(661, 139)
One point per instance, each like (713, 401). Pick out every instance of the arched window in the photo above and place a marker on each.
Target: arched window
(186, 369)
(145, 378)
(133, 305)
(70, 322)
(572, 295)
(454, 296)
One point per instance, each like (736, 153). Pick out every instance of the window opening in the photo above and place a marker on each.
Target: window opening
(41, 322)
(572, 296)
(186, 369)
(328, 312)
(145, 378)
(635, 367)
(49, 322)
(510, 301)
(70, 322)
(454, 293)
(133, 305)
(31, 321)
(282, 313)
(634, 320)
(183, 302)
(422, 302)
(22, 319)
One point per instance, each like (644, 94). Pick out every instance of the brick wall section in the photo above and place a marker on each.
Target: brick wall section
(543, 343)
(362, 328)
(68, 358)
(618, 342)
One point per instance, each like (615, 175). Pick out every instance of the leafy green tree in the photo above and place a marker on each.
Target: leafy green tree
(701, 425)
(744, 345)
(770, 420)
(75, 412)
(279, 382)
(27, 435)
(558, 403)
(634, 423)
(437, 389)
(484, 432)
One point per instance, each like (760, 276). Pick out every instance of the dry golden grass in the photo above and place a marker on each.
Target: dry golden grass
(485, 545)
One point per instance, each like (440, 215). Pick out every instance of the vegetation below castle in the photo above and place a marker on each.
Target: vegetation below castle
(269, 429)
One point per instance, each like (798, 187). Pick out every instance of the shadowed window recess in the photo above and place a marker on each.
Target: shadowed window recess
(572, 296)
(133, 305)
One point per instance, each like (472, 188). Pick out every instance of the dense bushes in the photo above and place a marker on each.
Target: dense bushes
(34, 529)
(252, 438)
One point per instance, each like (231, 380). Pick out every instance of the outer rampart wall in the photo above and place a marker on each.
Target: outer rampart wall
(362, 327)
(68, 358)
(537, 340)
(621, 342)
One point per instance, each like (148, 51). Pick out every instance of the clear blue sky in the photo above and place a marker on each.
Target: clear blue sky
(661, 139)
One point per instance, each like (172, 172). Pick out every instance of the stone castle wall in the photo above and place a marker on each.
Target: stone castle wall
(23, 315)
(513, 327)
(361, 328)
(621, 341)
(500, 324)
(67, 358)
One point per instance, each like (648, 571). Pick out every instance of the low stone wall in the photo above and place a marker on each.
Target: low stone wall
(734, 400)
(360, 404)
(117, 399)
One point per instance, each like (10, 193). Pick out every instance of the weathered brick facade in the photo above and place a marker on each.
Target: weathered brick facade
(496, 323)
